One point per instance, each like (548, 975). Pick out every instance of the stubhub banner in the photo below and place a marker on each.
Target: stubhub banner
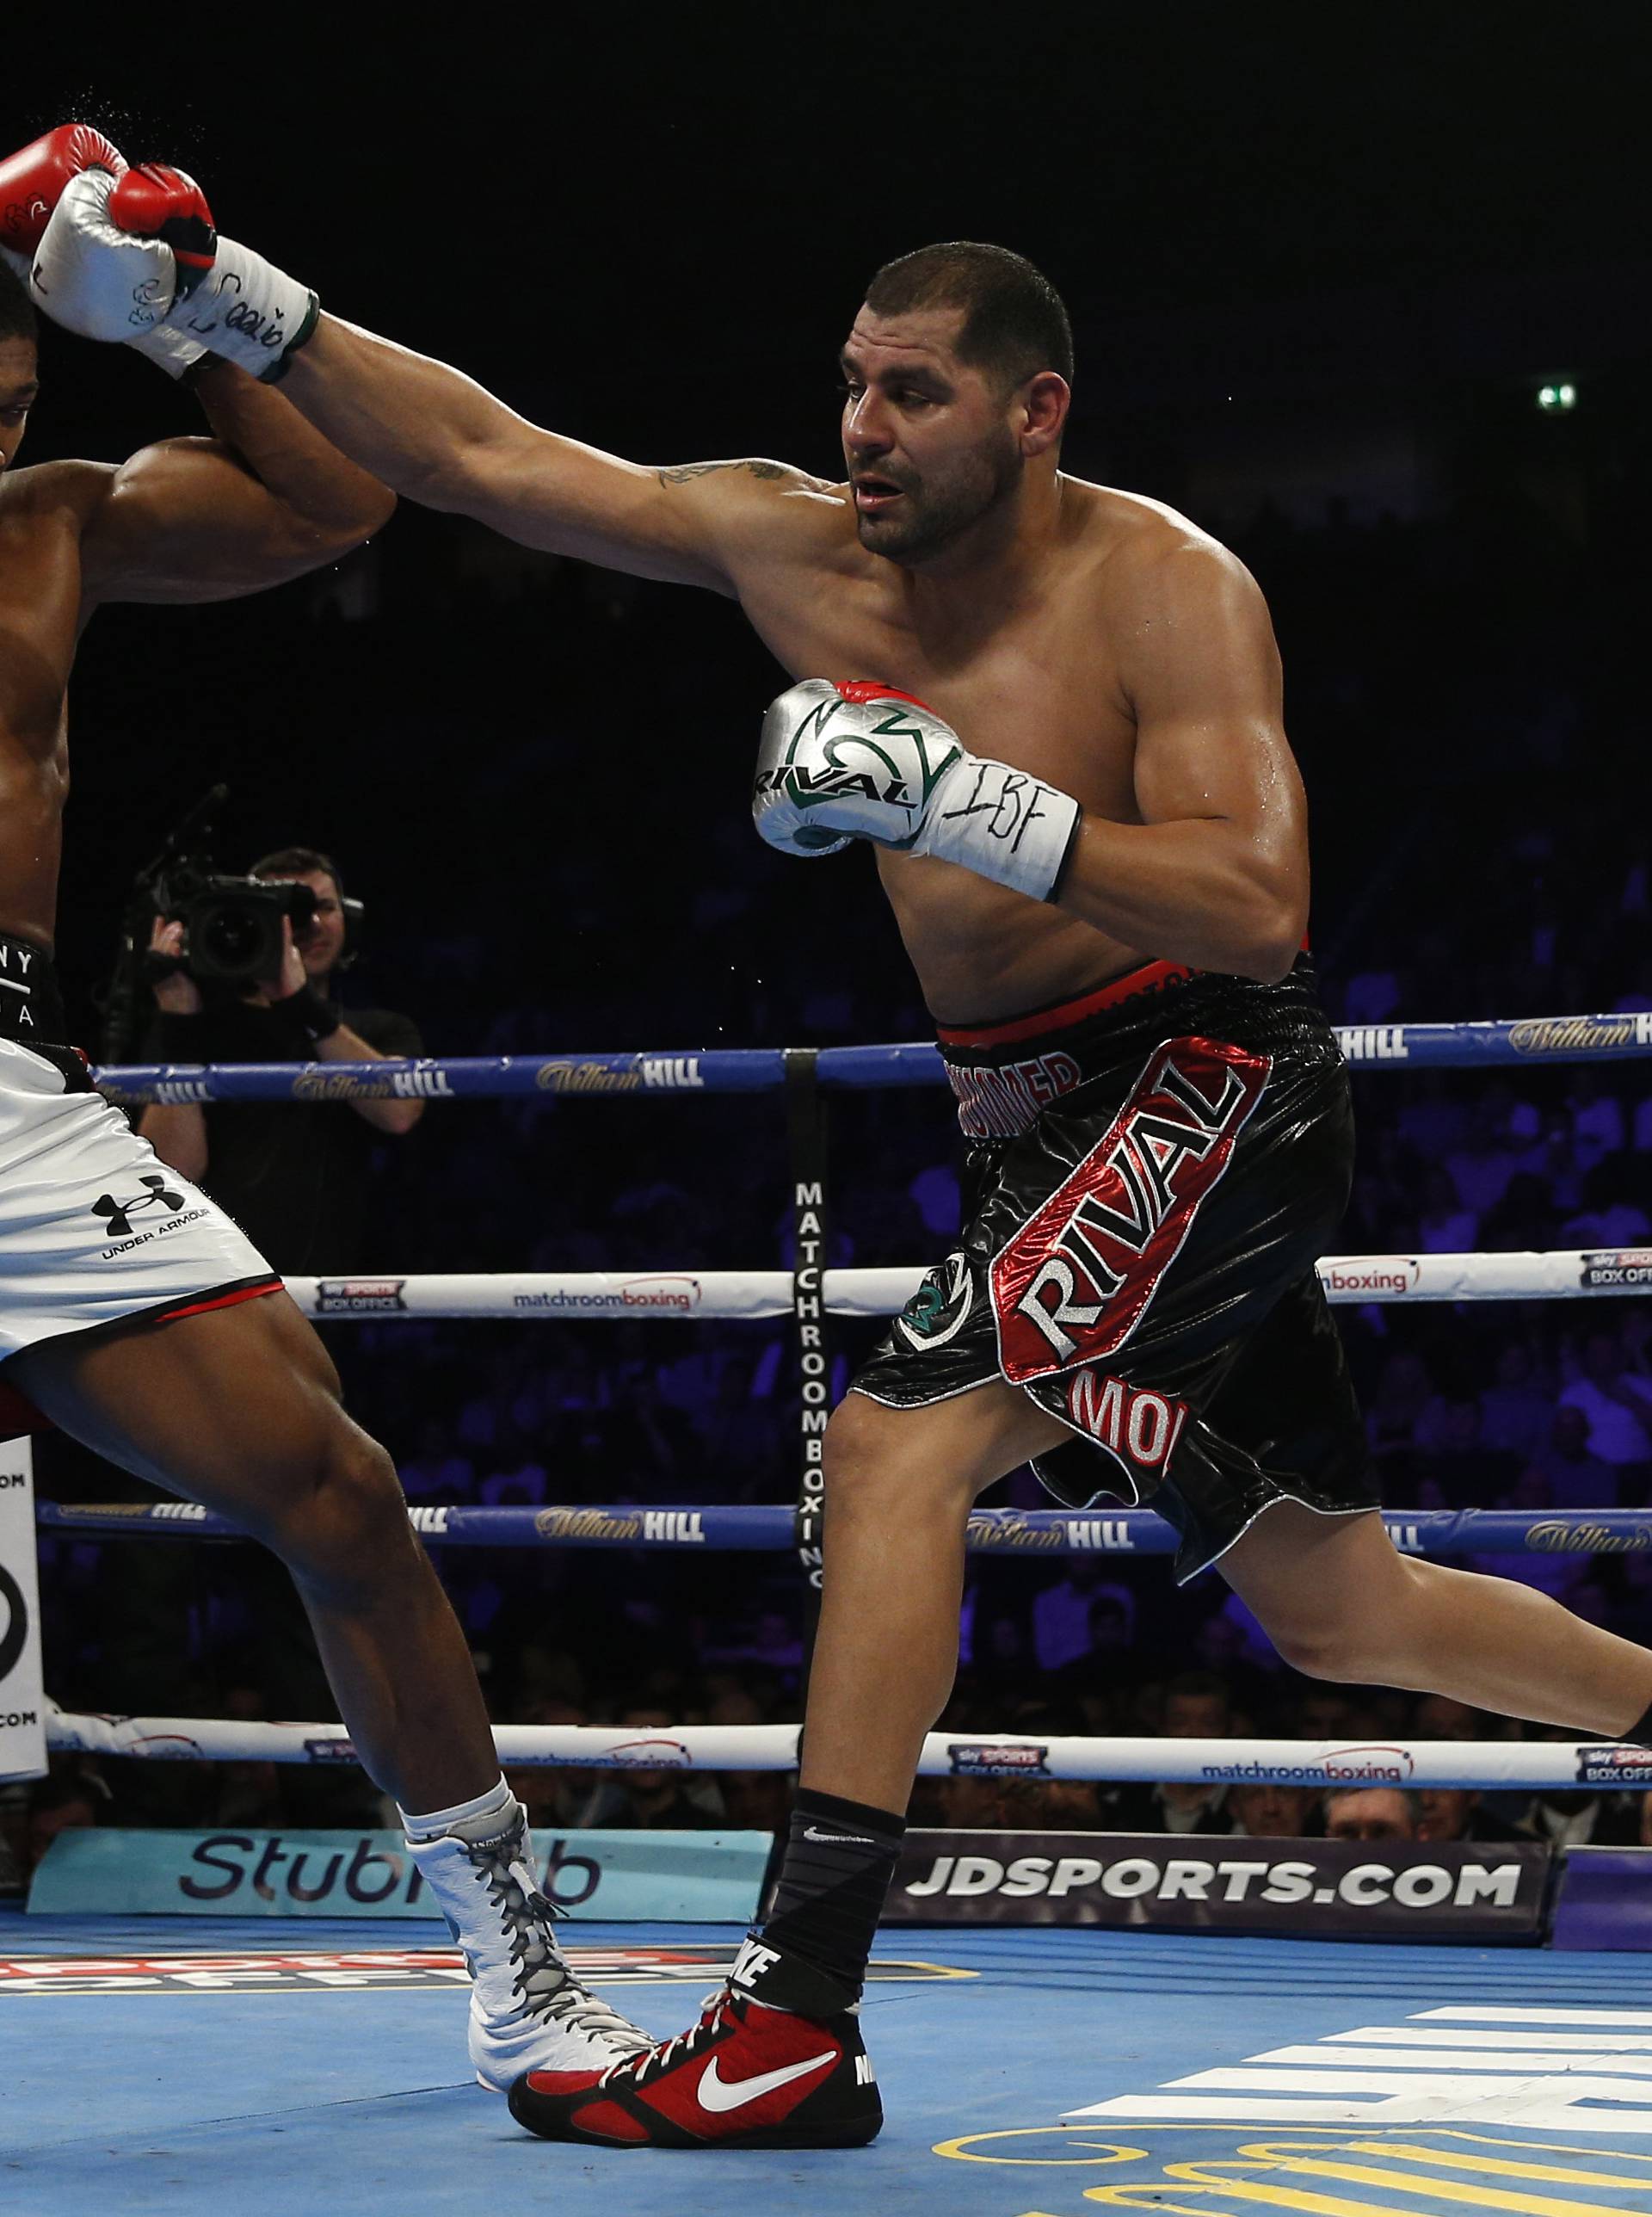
(1154, 1881)
(711, 1878)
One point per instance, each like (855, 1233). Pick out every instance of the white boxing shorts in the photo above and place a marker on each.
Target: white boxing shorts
(95, 1231)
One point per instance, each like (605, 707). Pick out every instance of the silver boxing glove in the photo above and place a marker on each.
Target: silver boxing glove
(861, 761)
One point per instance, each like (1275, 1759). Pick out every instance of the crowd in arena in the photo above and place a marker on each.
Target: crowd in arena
(1483, 898)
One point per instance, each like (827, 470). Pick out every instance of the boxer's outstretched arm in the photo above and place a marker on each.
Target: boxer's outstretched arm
(264, 500)
(432, 432)
(1216, 874)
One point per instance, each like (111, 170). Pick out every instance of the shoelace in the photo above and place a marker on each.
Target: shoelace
(652, 2061)
(548, 1986)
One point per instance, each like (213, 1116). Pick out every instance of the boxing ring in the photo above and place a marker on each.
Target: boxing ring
(1026, 2071)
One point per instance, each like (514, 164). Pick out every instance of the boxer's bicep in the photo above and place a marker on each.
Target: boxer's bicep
(186, 520)
(692, 523)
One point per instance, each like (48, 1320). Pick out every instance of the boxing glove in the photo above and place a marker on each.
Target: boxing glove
(861, 761)
(33, 181)
(120, 259)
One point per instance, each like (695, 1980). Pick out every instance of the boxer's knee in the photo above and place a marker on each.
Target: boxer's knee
(1350, 1634)
(878, 1460)
(343, 1529)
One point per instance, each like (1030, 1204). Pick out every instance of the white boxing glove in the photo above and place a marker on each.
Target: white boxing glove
(137, 258)
(860, 761)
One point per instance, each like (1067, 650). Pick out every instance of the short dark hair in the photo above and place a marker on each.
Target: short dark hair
(299, 862)
(17, 317)
(1016, 323)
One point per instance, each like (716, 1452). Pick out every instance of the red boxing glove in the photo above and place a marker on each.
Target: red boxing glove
(32, 180)
(157, 201)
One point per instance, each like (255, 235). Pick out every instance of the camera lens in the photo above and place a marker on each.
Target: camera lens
(229, 937)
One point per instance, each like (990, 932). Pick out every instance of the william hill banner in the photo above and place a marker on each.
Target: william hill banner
(687, 1877)
(1159, 1882)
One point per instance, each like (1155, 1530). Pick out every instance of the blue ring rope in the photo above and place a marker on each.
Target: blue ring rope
(844, 1069)
(760, 1528)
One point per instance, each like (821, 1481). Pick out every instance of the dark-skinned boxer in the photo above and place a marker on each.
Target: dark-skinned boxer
(135, 1313)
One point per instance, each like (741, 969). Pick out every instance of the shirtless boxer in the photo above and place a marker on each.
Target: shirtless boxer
(133, 1312)
(1104, 898)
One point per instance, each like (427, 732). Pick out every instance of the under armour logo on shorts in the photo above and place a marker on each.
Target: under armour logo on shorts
(120, 1213)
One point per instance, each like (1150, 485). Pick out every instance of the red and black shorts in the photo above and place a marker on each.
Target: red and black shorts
(1153, 1171)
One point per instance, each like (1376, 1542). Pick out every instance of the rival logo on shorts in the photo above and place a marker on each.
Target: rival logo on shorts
(359, 1296)
(1614, 1766)
(1073, 1283)
(1138, 1427)
(117, 1215)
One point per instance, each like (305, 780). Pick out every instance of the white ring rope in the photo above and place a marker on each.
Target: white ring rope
(1516, 1765)
(1561, 1273)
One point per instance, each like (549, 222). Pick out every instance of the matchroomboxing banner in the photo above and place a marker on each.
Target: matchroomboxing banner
(1155, 1881)
(22, 1697)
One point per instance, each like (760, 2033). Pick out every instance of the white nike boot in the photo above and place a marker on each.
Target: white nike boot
(528, 2011)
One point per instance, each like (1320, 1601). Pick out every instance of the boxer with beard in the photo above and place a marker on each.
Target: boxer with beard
(1055, 710)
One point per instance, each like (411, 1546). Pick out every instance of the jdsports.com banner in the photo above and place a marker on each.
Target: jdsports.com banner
(23, 1699)
(1153, 1882)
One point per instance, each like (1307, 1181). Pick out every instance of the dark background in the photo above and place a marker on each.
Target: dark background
(1319, 263)
(1310, 259)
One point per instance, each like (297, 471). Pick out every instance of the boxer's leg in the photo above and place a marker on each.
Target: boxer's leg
(237, 1408)
(1339, 1601)
(900, 1483)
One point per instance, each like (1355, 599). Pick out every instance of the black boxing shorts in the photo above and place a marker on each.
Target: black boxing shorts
(1153, 1169)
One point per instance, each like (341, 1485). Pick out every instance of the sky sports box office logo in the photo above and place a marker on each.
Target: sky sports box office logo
(1347, 1889)
(1629, 1767)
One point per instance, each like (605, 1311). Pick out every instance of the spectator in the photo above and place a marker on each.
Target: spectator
(1617, 1414)
(656, 1801)
(1446, 1227)
(1445, 1812)
(1576, 1477)
(62, 1802)
(1516, 1409)
(1437, 1716)
(1267, 1811)
(1196, 1706)
(1596, 1121)
(1062, 1628)
(1369, 1812)
(1395, 1410)
(1579, 1817)
(1610, 1216)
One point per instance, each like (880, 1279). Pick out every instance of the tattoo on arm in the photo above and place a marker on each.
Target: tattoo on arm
(686, 471)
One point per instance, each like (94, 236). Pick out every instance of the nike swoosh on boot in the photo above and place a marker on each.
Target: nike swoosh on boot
(716, 2097)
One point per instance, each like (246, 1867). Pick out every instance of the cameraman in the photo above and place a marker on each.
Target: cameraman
(293, 1174)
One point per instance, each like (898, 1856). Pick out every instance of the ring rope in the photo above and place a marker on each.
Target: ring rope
(1560, 1274)
(1516, 1765)
(1611, 1038)
(759, 1527)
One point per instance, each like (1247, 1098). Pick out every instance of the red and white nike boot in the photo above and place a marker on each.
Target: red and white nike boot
(776, 2061)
